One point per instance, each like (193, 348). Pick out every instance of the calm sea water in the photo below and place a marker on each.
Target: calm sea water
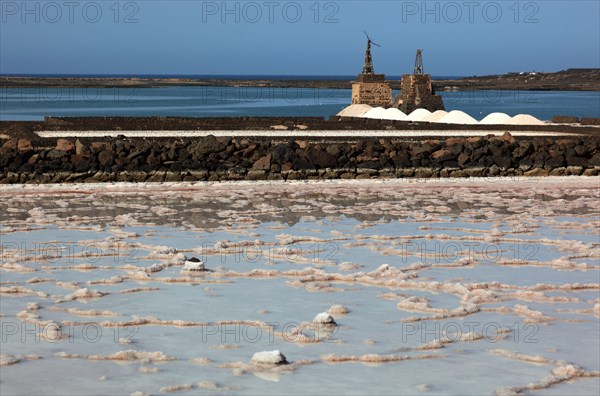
(35, 103)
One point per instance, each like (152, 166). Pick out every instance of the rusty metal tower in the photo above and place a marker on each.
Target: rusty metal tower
(419, 62)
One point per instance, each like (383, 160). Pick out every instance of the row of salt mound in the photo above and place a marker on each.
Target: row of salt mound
(355, 110)
(380, 113)
(440, 116)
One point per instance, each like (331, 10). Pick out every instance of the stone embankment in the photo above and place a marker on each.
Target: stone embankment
(226, 158)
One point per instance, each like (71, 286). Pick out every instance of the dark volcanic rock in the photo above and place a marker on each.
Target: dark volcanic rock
(283, 152)
(65, 145)
(321, 158)
(106, 159)
(124, 159)
(55, 154)
(264, 163)
(302, 164)
(6, 156)
(153, 160)
(206, 146)
(557, 161)
(443, 155)
(24, 145)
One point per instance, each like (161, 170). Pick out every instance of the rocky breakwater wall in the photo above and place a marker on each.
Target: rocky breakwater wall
(216, 159)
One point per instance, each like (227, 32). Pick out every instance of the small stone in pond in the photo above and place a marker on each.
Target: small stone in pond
(52, 331)
(269, 357)
(194, 264)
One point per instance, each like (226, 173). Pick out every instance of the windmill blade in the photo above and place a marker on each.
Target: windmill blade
(376, 44)
(366, 34)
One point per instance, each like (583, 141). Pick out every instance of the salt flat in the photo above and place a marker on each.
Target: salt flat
(475, 286)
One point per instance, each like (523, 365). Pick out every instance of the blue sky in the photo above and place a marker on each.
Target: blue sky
(296, 37)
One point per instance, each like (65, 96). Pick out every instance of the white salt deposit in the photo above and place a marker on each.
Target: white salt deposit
(194, 264)
(525, 119)
(457, 117)
(419, 115)
(7, 360)
(324, 318)
(339, 309)
(83, 293)
(354, 110)
(496, 119)
(52, 332)
(434, 283)
(435, 116)
(269, 357)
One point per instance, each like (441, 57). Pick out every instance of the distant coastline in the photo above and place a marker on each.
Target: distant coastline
(566, 80)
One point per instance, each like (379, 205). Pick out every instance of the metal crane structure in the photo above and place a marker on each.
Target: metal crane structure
(416, 90)
(419, 62)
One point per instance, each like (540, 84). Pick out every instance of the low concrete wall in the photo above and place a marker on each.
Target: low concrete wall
(214, 159)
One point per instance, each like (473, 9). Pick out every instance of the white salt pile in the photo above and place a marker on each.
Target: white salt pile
(457, 117)
(419, 115)
(395, 114)
(354, 110)
(377, 113)
(435, 116)
(496, 119)
(525, 119)
(324, 318)
(269, 357)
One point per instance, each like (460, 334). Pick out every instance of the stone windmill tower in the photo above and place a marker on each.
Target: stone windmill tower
(371, 88)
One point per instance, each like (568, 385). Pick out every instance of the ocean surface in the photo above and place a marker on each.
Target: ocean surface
(35, 103)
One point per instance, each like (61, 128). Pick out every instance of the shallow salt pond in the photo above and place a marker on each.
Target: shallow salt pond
(452, 287)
